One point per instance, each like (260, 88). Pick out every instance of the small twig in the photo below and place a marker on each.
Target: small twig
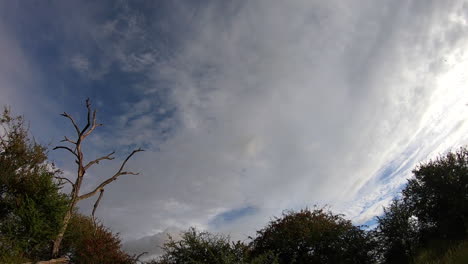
(68, 140)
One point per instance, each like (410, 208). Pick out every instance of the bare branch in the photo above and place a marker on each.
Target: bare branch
(96, 204)
(68, 140)
(113, 178)
(93, 125)
(96, 161)
(65, 179)
(67, 148)
(72, 121)
(128, 157)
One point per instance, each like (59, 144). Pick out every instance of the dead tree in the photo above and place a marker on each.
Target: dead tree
(82, 166)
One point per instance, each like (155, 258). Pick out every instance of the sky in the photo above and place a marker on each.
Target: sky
(245, 108)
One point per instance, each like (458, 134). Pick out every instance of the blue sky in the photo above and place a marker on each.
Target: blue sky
(245, 108)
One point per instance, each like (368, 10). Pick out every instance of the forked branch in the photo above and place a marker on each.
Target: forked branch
(68, 140)
(113, 178)
(91, 124)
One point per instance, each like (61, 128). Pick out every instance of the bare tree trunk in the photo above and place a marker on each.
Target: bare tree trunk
(58, 240)
(82, 168)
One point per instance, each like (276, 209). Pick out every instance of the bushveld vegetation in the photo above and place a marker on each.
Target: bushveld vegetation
(427, 223)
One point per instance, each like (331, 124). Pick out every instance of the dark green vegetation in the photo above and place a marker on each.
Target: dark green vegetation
(426, 224)
(429, 220)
